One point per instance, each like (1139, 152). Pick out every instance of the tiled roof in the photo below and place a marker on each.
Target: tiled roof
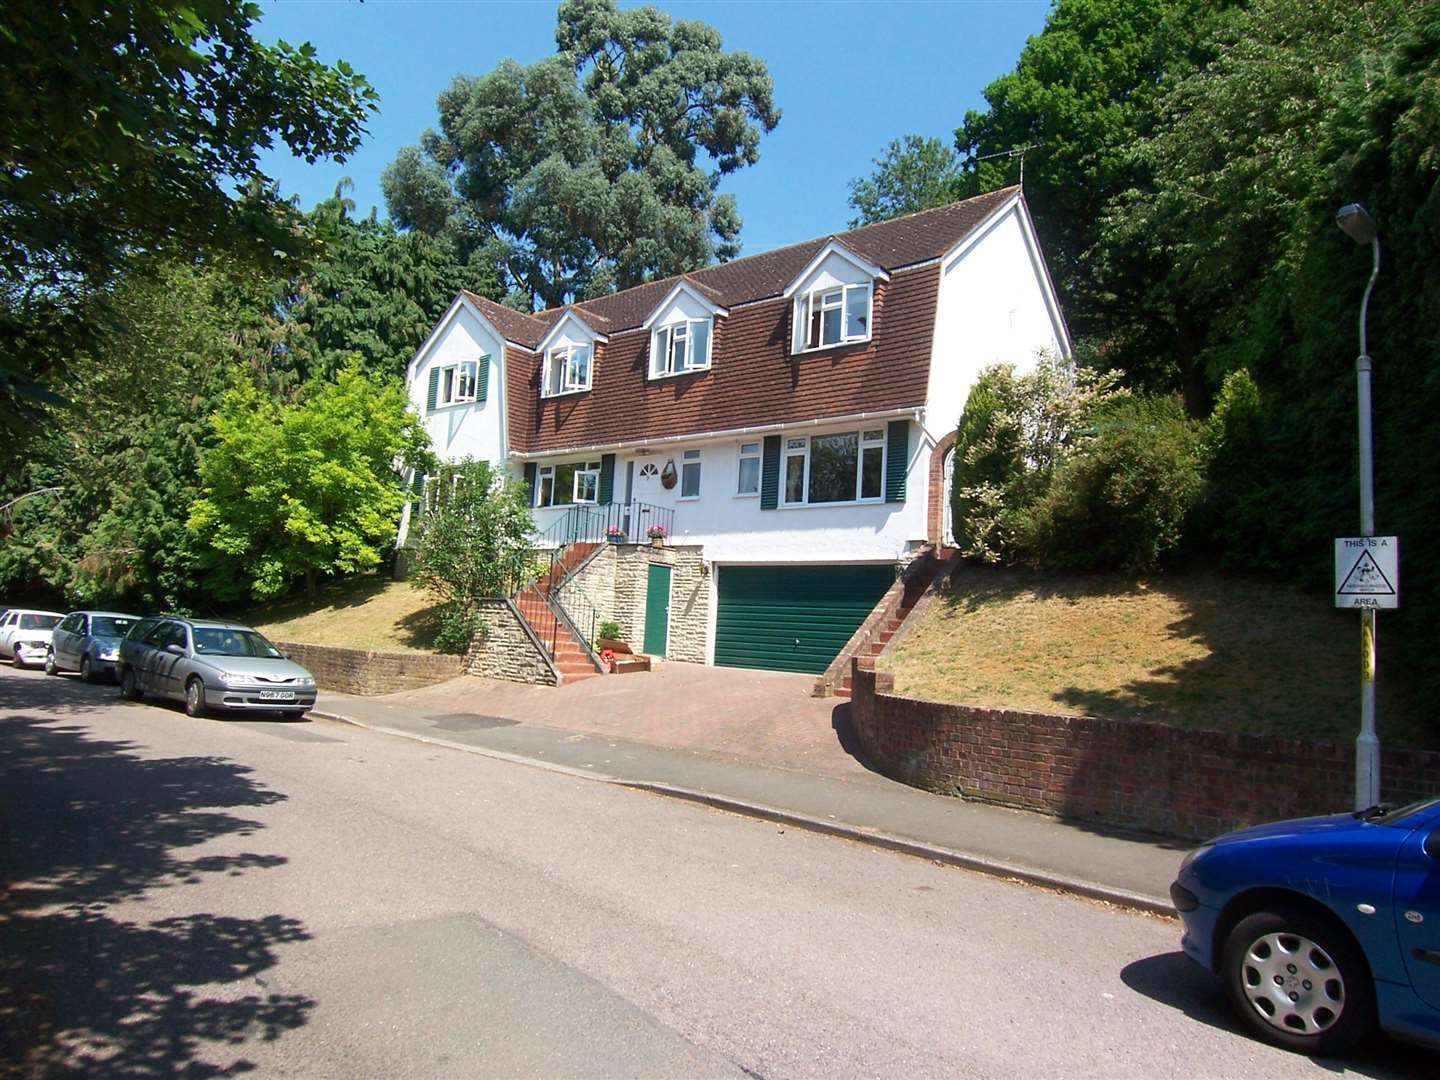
(891, 245)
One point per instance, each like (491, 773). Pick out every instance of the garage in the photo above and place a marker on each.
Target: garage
(793, 618)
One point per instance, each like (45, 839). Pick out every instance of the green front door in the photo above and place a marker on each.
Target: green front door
(793, 618)
(657, 610)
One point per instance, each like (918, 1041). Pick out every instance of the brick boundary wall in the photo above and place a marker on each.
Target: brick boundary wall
(1131, 773)
(368, 672)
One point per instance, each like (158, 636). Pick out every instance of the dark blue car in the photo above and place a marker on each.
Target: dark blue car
(1323, 928)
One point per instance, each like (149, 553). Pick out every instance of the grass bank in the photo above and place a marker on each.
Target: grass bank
(1200, 650)
(362, 613)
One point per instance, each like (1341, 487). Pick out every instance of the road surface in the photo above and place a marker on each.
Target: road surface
(212, 897)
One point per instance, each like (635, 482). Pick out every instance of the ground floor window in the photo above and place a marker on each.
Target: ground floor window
(564, 485)
(846, 466)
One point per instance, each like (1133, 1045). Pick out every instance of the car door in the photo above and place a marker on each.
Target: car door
(1417, 910)
(153, 649)
(7, 631)
(62, 640)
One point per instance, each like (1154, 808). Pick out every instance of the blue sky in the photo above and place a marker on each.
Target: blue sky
(850, 76)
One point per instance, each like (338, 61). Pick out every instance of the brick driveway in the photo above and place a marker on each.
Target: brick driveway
(764, 717)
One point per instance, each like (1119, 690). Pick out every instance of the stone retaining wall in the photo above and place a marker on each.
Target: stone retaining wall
(504, 648)
(1136, 774)
(366, 671)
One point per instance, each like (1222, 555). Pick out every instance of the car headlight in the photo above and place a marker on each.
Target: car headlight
(1195, 854)
(307, 682)
(109, 654)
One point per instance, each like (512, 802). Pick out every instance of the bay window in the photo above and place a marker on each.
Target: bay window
(567, 484)
(680, 347)
(842, 467)
(566, 370)
(835, 316)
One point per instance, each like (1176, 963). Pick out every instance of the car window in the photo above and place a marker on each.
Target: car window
(8, 619)
(140, 629)
(176, 636)
(157, 636)
(31, 621)
(1401, 814)
(110, 626)
(223, 641)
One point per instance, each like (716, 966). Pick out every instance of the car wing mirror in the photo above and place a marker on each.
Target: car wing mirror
(178, 650)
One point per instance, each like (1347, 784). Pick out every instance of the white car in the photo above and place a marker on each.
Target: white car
(25, 635)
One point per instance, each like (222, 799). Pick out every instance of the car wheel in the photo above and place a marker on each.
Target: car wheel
(87, 673)
(50, 668)
(295, 714)
(1299, 981)
(129, 685)
(194, 697)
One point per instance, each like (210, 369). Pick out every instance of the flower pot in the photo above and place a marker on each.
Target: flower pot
(657, 541)
(616, 539)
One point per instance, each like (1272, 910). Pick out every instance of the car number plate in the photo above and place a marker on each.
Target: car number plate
(277, 695)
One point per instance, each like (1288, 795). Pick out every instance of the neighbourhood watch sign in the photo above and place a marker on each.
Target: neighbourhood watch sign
(1367, 572)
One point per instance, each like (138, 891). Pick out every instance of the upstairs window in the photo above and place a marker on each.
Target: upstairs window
(844, 467)
(453, 384)
(835, 316)
(567, 370)
(567, 484)
(680, 347)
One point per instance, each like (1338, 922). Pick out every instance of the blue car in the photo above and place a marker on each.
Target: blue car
(1322, 928)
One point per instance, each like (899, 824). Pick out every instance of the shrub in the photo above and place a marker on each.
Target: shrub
(475, 540)
(610, 631)
(1120, 497)
(458, 625)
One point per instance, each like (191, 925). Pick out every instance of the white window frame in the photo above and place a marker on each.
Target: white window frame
(806, 306)
(586, 469)
(862, 443)
(564, 355)
(741, 456)
(457, 383)
(663, 339)
(691, 458)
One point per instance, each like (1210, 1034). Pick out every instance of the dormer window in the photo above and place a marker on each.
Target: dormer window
(680, 347)
(567, 370)
(835, 316)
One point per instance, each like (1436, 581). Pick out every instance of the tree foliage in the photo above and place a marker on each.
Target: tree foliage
(305, 490)
(914, 173)
(124, 124)
(597, 168)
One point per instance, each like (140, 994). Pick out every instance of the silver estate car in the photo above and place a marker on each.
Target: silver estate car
(88, 642)
(211, 665)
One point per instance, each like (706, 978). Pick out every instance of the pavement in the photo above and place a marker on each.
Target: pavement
(756, 743)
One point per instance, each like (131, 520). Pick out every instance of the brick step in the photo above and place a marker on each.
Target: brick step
(580, 676)
(575, 669)
(841, 691)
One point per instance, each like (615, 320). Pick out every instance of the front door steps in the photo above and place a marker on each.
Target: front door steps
(885, 621)
(535, 602)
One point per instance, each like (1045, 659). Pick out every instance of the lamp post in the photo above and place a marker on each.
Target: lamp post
(1357, 223)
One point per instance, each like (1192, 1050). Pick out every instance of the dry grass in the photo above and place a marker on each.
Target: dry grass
(1202, 651)
(365, 612)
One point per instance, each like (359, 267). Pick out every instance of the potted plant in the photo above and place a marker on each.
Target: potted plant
(657, 535)
(615, 534)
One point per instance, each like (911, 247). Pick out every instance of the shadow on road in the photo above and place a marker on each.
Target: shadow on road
(86, 824)
(1175, 980)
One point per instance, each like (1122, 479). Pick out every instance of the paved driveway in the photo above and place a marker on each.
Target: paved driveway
(764, 717)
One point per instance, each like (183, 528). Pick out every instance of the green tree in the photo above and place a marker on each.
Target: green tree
(595, 169)
(305, 490)
(125, 126)
(474, 542)
(914, 173)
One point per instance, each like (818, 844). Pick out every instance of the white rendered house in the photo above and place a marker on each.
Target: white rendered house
(787, 416)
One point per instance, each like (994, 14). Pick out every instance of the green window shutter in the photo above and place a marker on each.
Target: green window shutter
(531, 470)
(482, 378)
(770, 474)
(897, 457)
(607, 479)
(434, 390)
(419, 494)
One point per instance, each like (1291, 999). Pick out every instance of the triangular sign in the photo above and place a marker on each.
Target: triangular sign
(1366, 579)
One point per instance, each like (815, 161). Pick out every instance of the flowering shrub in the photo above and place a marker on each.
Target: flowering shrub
(656, 532)
(615, 532)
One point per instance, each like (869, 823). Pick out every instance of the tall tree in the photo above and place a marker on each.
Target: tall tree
(914, 173)
(597, 168)
(124, 124)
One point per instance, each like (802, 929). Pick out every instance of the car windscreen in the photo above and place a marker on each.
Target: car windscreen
(39, 622)
(213, 641)
(110, 626)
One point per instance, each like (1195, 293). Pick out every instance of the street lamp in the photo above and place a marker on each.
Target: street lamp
(1357, 224)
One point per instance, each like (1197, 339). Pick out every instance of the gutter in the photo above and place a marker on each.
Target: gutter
(914, 412)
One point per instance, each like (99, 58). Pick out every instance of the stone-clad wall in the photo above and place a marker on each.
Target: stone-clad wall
(689, 597)
(1140, 774)
(595, 582)
(503, 649)
(365, 671)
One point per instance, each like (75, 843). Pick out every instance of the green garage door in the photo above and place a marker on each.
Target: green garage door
(793, 618)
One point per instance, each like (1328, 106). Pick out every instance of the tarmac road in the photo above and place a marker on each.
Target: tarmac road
(206, 897)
